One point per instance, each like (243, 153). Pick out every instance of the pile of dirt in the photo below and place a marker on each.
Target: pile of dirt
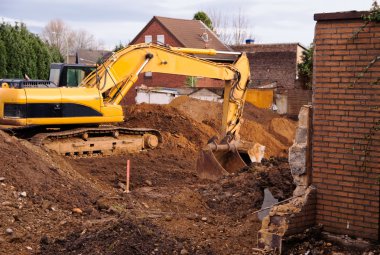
(126, 236)
(42, 176)
(260, 125)
(168, 120)
(237, 195)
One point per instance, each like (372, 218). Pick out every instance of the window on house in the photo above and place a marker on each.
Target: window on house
(161, 39)
(148, 39)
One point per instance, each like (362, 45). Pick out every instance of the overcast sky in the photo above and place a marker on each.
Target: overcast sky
(114, 21)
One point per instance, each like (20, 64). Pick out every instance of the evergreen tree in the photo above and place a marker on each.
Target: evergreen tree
(202, 16)
(22, 52)
(305, 68)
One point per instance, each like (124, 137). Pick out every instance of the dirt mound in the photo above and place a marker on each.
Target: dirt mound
(209, 113)
(127, 236)
(43, 177)
(262, 116)
(260, 125)
(239, 194)
(283, 129)
(255, 132)
(169, 120)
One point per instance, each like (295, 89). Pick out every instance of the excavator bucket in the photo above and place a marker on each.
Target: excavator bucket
(215, 161)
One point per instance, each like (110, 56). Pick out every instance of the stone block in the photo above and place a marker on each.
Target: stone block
(297, 159)
(301, 135)
(303, 116)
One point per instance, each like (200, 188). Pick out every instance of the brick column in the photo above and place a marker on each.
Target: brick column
(346, 102)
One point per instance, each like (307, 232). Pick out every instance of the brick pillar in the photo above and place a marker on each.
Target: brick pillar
(346, 142)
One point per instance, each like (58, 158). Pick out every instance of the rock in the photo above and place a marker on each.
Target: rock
(16, 218)
(102, 204)
(297, 159)
(44, 240)
(6, 203)
(22, 194)
(77, 210)
(301, 135)
(192, 216)
(17, 239)
(121, 185)
(184, 252)
(29, 248)
(63, 222)
(9, 231)
(46, 205)
(204, 218)
(168, 218)
(148, 182)
(2, 179)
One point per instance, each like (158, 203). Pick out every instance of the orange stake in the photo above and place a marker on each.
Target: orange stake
(128, 174)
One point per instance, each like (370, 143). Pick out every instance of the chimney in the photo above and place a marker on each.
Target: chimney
(249, 41)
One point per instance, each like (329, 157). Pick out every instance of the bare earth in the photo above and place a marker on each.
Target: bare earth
(55, 205)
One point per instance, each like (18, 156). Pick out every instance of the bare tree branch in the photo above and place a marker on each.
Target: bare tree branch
(232, 30)
(68, 41)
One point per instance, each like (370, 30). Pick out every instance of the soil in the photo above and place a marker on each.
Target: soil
(276, 133)
(57, 205)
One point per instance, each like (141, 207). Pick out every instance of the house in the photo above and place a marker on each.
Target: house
(178, 33)
(277, 63)
(207, 95)
(158, 95)
(91, 57)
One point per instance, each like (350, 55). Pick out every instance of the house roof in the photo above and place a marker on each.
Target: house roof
(191, 34)
(91, 57)
(260, 47)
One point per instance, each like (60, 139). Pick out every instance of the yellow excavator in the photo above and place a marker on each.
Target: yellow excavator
(76, 121)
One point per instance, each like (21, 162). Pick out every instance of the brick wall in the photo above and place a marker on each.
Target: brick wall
(272, 63)
(305, 218)
(296, 98)
(278, 63)
(344, 113)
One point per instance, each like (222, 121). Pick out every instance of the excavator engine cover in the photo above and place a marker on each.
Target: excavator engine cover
(217, 160)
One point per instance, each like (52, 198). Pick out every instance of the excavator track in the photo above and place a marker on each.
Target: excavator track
(102, 140)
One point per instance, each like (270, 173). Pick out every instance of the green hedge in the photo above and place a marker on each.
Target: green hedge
(22, 52)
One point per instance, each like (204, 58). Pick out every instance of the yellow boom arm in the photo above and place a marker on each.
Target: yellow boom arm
(117, 75)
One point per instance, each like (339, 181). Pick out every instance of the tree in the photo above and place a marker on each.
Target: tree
(202, 16)
(118, 47)
(22, 52)
(231, 29)
(305, 68)
(67, 40)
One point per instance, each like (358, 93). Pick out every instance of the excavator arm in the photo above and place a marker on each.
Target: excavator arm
(118, 74)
